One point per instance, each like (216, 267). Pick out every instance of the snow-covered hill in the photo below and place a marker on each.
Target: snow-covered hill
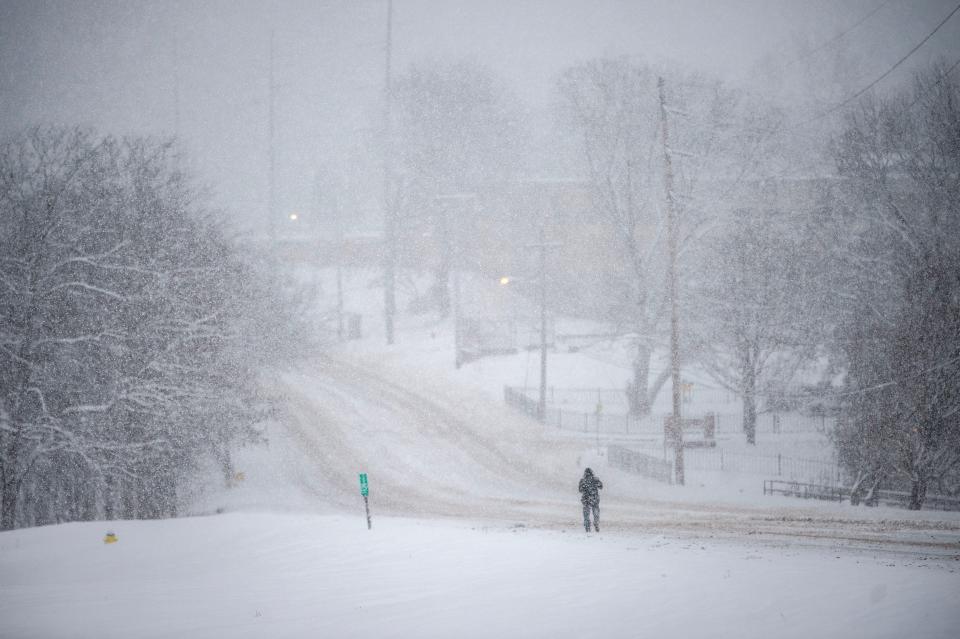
(300, 575)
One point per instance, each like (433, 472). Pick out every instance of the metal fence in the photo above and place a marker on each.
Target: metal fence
(840, 493)
(605, 411)
(640, 464)
(586, 398)
(607, 424)
(600, 423)
(806, 491)
(518, 399)
(795, 468)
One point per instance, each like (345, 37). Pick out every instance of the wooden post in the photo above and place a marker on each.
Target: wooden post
(672, 284)
(542, 406)
(390, 218)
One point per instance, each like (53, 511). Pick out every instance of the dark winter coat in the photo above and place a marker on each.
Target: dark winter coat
(590, 487)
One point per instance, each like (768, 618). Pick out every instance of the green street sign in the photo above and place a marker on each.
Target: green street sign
(364, 487)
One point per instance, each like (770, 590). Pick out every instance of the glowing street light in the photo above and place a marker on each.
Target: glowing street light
(293, 217)
(504, 280)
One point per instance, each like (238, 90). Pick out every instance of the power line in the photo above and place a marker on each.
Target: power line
(836, 38)
(859, 93)
(858, 391)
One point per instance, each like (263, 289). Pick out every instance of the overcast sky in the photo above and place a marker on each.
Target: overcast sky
(119, 65)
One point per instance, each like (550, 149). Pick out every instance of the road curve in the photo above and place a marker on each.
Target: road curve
(440, 452)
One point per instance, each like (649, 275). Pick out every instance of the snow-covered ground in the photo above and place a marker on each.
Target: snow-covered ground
(305, 575)
(476, 528)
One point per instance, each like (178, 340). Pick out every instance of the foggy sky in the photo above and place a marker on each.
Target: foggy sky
(200, 69)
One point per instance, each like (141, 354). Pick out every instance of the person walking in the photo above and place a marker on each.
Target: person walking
(590, 487)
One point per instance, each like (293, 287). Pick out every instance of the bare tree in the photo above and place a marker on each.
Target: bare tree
(751, 307)
(612, 106)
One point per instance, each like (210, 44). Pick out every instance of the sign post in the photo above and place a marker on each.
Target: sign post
(365, 491)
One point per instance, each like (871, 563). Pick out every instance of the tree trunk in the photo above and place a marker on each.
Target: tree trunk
(109, 497)
(918, 493)
(749, 406)
(856, 490)
(8, 505)
(226, 466)
(637, 390)
(872, 497)
(657, 386)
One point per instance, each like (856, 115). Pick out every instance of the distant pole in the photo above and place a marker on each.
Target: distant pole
(542, 246)
(271, 175)
(457, 337)
(672, 287)
(338, 213)
(451, 238)
(176, 87)
(542, 405)
(339, 302)
(390, 221)
(599, 410)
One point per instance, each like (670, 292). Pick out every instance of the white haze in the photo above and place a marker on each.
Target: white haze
(119, 66)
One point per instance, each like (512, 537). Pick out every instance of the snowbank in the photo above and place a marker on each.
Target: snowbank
(286, 575)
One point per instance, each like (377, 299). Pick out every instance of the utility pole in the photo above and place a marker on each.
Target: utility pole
(177, 134)
(542, 403)
(271, 175)
(389, 214)
(176, 89)
(672, 288)
(542, 246)
(338, 220)
(457, 320)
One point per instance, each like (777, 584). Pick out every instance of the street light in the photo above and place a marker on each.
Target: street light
(293, 217)
(542, 247)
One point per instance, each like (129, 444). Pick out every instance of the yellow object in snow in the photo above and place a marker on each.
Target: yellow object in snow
(110, 538)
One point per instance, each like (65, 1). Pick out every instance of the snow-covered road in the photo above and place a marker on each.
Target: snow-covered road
(433, 449)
